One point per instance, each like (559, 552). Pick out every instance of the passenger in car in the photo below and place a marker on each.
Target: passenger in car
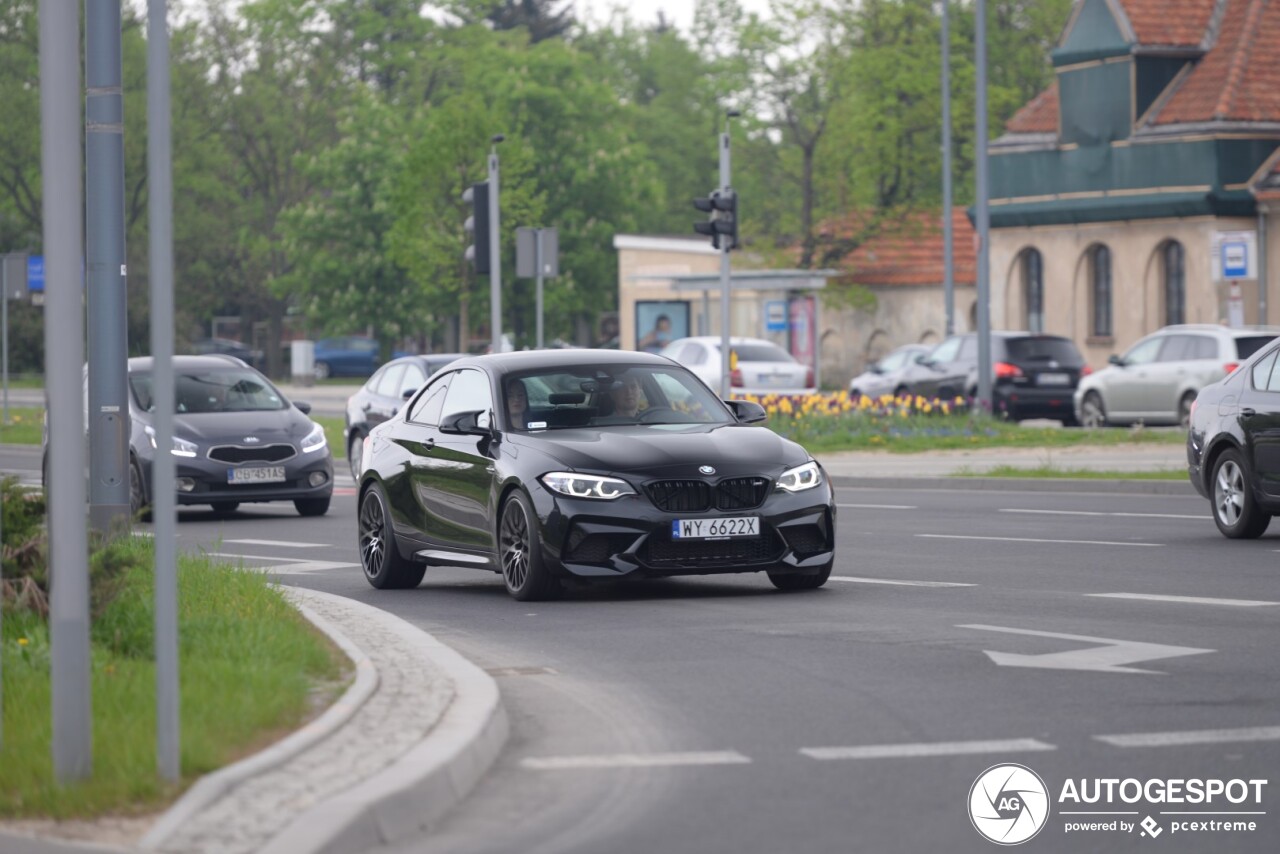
(517, 404)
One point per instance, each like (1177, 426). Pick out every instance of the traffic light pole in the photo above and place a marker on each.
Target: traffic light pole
(495, 253)
(982, 216)
(726, 245)
(948, 277)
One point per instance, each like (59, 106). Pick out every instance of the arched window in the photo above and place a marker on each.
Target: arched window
(1033, 289)
(1100, 291)
(1173, 264)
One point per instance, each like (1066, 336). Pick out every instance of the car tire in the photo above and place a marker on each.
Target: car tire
(322, 370)
(355, 447)
(1093, 414)
(520, 553)
(1184, 409)
(312, 506)
(901, 391)
(384, 567)
(796, 581)
(224, 506)
(138, 506)
(1235, 510)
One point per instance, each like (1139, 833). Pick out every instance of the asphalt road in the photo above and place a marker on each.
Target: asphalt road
(718, 715)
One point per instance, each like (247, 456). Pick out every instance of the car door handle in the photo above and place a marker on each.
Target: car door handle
(1247, 412)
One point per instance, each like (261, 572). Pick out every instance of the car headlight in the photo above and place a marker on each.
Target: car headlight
(181, 447)
(586, 485)
(314, 441)
(801, 478)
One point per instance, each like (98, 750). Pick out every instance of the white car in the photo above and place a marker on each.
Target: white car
(762, 368)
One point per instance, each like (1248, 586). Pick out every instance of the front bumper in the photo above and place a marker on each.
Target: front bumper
(630, 537)
(209, 481)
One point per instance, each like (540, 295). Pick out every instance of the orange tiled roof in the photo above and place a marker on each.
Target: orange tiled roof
(911, 253)
(1239, 78)
(1039, 115)
(1169, 23)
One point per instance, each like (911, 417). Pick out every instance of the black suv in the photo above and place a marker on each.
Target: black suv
(1033, 375)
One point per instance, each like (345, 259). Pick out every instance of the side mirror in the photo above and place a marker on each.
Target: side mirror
(473, 423)
(408, 393)
(302, 406)
(746, 411)
(1118, 361)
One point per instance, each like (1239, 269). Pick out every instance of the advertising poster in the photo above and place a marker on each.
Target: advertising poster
(660, 323)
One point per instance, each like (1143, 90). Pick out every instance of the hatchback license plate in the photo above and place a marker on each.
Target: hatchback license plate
(256, 474)
(1055, 379)
(715, 529)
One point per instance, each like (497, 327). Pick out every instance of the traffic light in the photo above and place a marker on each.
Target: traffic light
(477, 225)
(723, 223)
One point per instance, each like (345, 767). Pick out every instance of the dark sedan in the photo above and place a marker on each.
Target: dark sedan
(236, 439)
(384, 394)
(587, 464)
(1233, 446)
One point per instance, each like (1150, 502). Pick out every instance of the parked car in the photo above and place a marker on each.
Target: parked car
(1233, 445)
(763, 367)
(383, 396)
(1033, 375)
(226, 346)
(236, 439)
(589, 464)
(885, 376)
(347, 356)
(1157, 379)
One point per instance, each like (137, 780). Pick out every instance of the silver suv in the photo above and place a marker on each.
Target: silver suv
(1157, 380)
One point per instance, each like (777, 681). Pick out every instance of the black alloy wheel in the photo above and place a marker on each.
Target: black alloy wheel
(520, 554)
(383, 565)
(1235, 510)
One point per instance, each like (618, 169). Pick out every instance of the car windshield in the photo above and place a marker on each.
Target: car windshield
(1247, 345)
(231, 390)
(1044, 350)
(619, 395)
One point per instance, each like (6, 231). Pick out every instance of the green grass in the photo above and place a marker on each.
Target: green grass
(25, 426)
(860, 431)
(26, 381)
(334, 433)
(248, 668)
(1083, 474)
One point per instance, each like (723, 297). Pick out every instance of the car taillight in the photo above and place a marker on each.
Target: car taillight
(1005, 371)
(808, 378)
(735, 378)
(1085, 371)
(1230, 367)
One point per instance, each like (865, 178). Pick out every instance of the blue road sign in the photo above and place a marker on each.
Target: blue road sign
(775, 315)
(35, 273)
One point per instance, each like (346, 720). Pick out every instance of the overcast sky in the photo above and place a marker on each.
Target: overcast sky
(679, 12)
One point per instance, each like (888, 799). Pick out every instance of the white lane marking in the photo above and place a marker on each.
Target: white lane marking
(1188, 600)
(939, 748)
(284, 544)
(1195, 736)
(859, 580)
(1112, 656)
(633, 760)
(1204, 516)
(879, 506)
(290, 565)
(1035, 540)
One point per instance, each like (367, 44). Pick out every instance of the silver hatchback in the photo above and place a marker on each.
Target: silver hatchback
(1157, 380)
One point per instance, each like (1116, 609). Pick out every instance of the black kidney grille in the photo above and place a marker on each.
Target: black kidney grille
(681, 496)
(741, 493)
(255, 454)
(805, 539)
(662, 551)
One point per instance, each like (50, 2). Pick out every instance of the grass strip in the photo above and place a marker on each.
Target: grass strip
(1040, 472)
(26, 423)
(251, 670)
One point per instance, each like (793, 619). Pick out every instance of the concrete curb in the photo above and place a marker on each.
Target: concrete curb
(17, 843)
(1020, 484)
(213, 786)
(414, 792)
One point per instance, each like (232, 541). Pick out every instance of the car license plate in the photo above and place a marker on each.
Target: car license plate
(715, 529)
(256, 474)
(1055, 379)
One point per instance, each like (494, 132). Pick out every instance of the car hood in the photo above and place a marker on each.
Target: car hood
(672, 450)
(277, 425)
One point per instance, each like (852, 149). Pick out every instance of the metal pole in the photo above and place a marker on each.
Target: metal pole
(164, 511)
(64, 356)
(537, 256)
(725, 275)
(495, 252)
(948, 276)
(1262, 265)
(104, 235)
(983, 217)
(5, 322)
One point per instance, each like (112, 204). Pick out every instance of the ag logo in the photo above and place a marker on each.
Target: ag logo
(1008, 804)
